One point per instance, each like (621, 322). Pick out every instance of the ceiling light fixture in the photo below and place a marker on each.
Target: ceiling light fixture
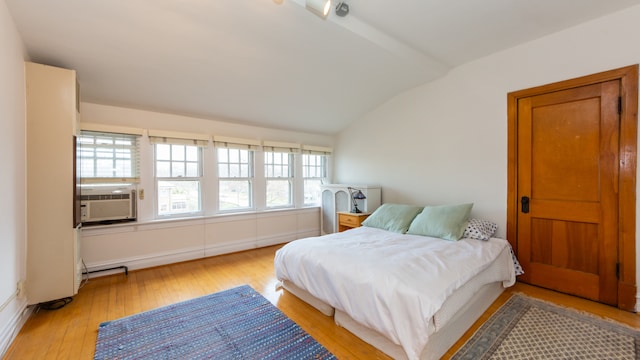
(319, 7)
(342, 9)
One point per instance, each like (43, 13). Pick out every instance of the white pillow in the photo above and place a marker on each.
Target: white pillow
(480, 229)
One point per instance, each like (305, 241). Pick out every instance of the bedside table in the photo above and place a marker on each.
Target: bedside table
(348, 220)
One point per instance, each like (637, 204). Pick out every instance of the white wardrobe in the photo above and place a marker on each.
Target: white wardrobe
(54, 267)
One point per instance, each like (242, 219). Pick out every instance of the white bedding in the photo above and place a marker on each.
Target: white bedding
(390, 282)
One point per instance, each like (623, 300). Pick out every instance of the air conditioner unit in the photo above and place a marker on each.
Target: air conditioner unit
(102, 205)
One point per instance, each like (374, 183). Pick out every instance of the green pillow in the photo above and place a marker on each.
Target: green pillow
(446, 221)
(393, 217)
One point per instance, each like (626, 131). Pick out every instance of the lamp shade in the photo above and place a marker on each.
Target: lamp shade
(359, 195)
(355, 195)
(320, 7)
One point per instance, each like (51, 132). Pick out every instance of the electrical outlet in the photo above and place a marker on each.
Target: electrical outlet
(21, 288)
(141, 194)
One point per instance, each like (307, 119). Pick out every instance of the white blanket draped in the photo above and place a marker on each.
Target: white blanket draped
(386, 281)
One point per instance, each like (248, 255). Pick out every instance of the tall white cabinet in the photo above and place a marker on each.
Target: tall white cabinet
(54, 268)
(335, 197)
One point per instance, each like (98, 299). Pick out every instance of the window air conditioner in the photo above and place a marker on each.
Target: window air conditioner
(107, 205)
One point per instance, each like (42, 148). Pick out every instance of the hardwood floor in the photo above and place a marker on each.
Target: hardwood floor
(71, 332)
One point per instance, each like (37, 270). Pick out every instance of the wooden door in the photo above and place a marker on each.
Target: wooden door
(570, 183)
(567, 185)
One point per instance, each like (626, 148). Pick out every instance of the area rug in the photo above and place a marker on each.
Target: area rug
(525, 328)
(237, 323)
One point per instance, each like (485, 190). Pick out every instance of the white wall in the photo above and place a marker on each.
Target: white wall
(157, 243)
(151, 243)
(13, 180)
(446, 141)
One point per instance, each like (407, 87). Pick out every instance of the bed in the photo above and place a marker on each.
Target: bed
(397, 286)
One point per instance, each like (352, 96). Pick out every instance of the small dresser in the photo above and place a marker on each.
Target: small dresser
(348, 220)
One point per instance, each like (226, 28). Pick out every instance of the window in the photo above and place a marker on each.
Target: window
(235, 175)
(108, 157)
(178, 178)
(314, 171)
(279, 178)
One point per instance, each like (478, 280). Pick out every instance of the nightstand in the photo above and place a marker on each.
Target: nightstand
(348, 220)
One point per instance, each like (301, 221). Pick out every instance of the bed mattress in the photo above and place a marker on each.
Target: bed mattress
(391, 283)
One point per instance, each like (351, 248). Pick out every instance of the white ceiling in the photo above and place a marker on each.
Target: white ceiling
(272, 62)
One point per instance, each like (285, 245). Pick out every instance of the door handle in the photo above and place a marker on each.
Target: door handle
(525, 204)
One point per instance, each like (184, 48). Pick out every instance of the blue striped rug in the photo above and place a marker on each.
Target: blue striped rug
(237, 323)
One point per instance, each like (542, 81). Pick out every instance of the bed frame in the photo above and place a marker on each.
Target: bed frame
(439, 341)
(460, 310)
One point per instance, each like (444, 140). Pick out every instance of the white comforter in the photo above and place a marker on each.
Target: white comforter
(389, 282)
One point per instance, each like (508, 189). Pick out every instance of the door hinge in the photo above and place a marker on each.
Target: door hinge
(617, 270)
(619, 104)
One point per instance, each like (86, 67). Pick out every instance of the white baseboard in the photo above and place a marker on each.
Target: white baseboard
(142, 262)
(158, 259)
(15, 314)
(165, 258)
(228, 248)
(275, 240)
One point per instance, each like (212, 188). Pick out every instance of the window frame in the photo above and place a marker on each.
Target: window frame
(324, 159)
(290, 178)
(249, 178)
(128, 174)
(198, 180)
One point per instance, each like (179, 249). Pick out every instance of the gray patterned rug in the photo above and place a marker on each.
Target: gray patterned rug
(525, 328)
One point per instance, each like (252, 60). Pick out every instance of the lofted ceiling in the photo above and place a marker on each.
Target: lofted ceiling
(273, 63)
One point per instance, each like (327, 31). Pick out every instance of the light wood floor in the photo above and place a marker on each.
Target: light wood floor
(71, 332)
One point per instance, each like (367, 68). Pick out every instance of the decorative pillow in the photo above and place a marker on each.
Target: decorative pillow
(516, 264)
(480, 229)
(392, 217)
(446, 221)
